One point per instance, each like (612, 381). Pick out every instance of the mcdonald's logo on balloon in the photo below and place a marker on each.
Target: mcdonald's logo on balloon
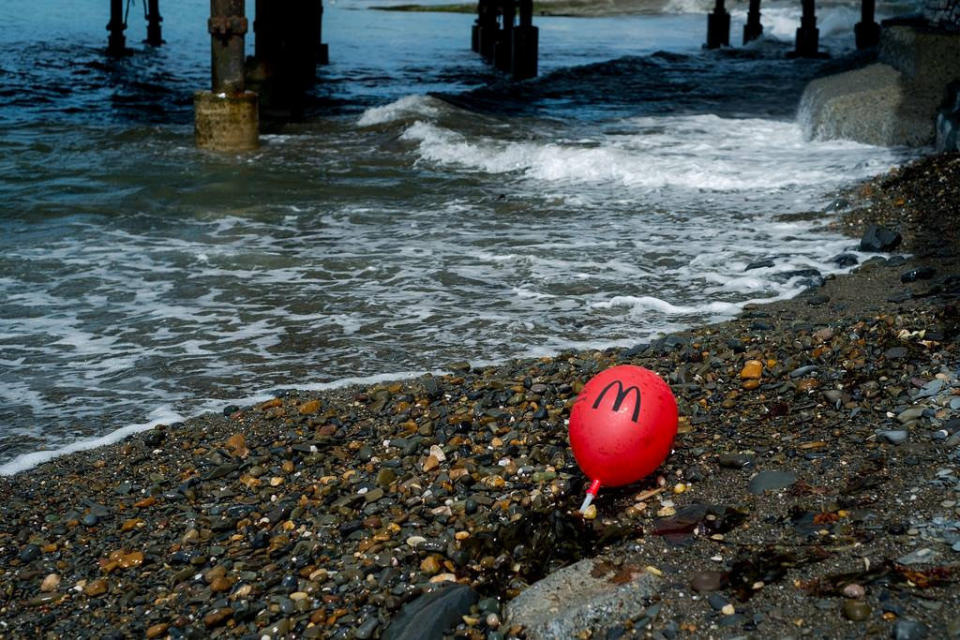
(622, 426)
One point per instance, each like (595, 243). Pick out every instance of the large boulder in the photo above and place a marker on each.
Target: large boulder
(892, 102)
(586, 596)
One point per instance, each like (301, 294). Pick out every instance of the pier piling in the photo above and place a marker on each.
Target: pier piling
(752, 29)
(718, 27)
(503, 50)
(117, 42)
(323, 51)
(504, 35)
(486, 28)
(287, 48)
(226, 118)
(526, 42)
(867, 31)
(154, 34)
(808, 36)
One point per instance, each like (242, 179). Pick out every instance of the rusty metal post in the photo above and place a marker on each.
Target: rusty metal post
(752, 29)
(526, 39)
(808, 36)
(117, 42)
(867, 31)
(718, 27)
(227, 26)
(503, 53)
(154, 35)
(226, 118)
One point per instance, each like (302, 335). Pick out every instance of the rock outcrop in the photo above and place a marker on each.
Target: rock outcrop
(892, 102)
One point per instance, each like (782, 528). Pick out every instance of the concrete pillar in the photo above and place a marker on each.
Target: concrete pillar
(526, 39)
(867, 31)
(117, 42)
(718, 27)
(503, 53)
(225, 118)
(226, 122)
(808, 36)
(154, 35)
(753, 29)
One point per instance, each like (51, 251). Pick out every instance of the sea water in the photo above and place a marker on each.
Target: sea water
(425, 211)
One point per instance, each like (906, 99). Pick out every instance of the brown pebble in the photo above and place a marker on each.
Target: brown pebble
(132, 523)
(708, 581)
(430, 463)
(157, 630)
(217, 617)
(752, 370)
(856, 610)
(96, 588)
(430, 565)
(221, 584)
(309, 407)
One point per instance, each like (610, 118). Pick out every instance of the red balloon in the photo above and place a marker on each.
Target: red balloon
(622, 425)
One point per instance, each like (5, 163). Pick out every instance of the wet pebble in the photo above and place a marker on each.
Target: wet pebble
(897, 436)
(907, 629)
(706, 581)
(856, 610)
(771, 481)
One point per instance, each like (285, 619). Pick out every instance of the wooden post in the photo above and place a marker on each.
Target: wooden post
(718, 27)
(117, 42)
(753, 29)
(154, 35)
(226, 118)
(867, 31)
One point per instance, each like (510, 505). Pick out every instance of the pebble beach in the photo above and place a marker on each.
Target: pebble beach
(812, 490)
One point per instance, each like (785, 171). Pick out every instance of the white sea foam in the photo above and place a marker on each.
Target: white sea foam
(26, 461)
(703, 152)
(165, 415)
(407, 107)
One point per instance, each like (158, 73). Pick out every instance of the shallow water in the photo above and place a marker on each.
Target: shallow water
(426, 211)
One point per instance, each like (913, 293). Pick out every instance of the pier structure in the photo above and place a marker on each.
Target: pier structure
(226, 118)
(289, 44)
(807, 45)
(504, 35)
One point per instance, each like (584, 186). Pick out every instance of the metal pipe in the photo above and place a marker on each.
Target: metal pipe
(227, 26)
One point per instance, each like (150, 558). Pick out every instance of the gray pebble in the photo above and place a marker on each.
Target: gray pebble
(907, 629)
(898, 436)
(771, 481)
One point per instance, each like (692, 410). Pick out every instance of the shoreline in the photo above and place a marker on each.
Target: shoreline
(284, 509)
